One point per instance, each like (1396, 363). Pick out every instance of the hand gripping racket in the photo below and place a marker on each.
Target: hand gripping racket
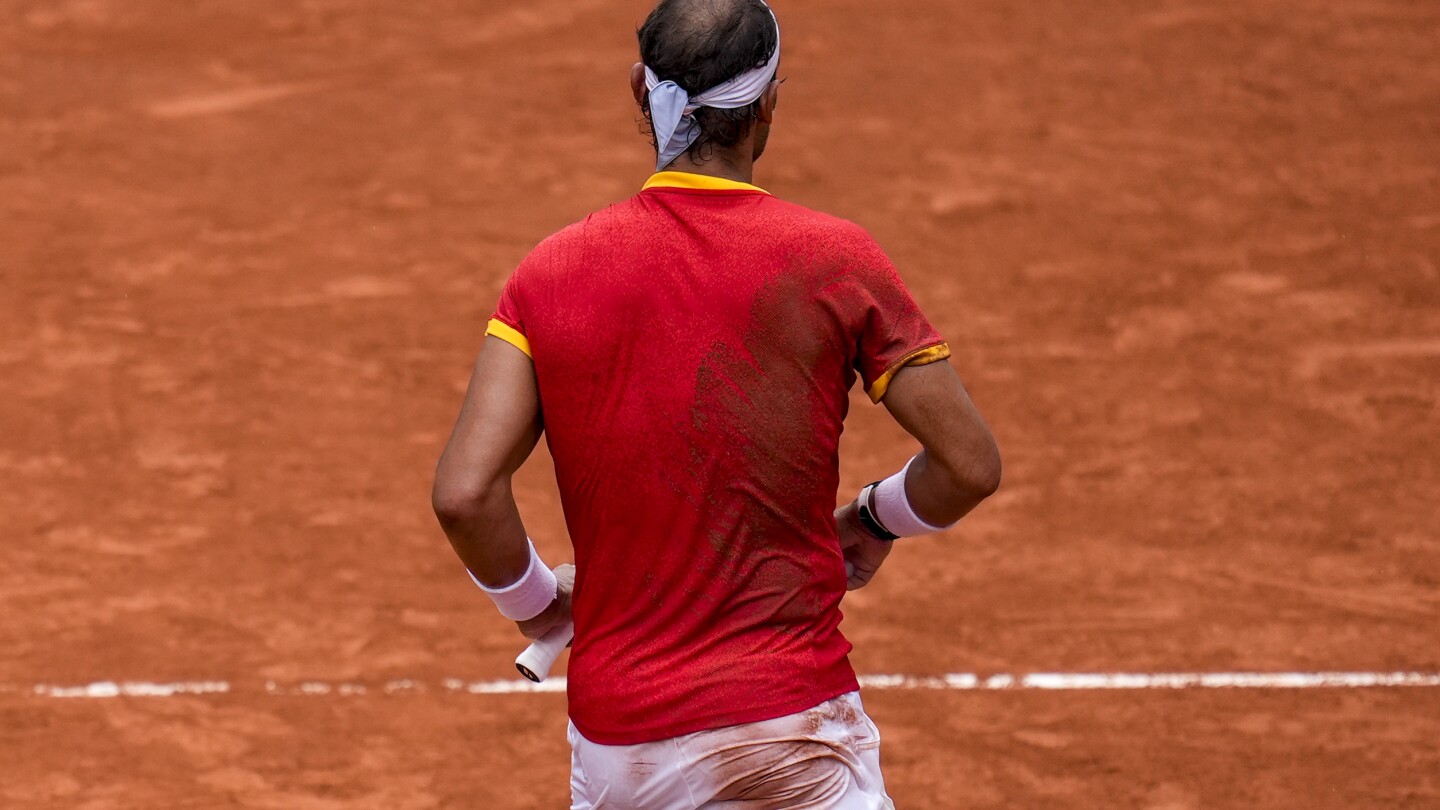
(539, 657)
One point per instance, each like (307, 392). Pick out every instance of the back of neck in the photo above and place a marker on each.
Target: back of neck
(724, 163)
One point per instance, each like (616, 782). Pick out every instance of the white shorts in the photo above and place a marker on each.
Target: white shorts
(825, 758)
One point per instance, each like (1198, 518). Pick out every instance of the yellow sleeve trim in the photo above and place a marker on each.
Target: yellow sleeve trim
(510, 335)
(929, 354)
(703, 182)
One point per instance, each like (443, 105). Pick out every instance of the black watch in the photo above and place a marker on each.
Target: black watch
(865, 508)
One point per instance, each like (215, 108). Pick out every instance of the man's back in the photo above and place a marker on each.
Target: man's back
(694, 347)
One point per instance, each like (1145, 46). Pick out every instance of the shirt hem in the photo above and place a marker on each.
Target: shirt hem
(844, 686)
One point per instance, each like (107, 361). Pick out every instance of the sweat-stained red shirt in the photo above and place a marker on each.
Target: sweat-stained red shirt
(694, 347)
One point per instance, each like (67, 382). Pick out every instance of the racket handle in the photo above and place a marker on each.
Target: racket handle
(539, 657)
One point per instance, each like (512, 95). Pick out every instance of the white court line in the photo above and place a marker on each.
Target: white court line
(111, 689)
(1156, 680)
(954, 682)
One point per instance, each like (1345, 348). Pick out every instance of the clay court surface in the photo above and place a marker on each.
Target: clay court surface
(1186, 254)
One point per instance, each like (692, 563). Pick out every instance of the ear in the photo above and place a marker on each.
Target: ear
(637, 82)
(768, 101)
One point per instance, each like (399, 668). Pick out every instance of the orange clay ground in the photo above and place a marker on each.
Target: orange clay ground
(1186, 253)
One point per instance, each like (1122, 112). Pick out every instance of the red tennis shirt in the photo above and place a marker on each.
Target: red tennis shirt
(695, 346)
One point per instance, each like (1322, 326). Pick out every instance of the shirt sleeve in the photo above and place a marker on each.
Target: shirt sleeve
(508, 323)
(894, 333)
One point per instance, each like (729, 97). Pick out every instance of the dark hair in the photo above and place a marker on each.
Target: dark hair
(699, 44)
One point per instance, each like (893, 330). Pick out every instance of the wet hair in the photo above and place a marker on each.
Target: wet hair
(699, 44)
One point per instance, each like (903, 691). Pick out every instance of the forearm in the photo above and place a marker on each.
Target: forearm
(483, 525)
(926, 496)
(942, 494)
(486, 532)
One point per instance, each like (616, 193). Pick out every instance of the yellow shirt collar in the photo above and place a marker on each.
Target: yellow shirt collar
(703, 182)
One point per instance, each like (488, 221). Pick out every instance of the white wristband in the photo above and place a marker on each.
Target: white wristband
(892, 507)
(526, 597)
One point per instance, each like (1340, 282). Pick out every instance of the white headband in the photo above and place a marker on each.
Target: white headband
(672, 110)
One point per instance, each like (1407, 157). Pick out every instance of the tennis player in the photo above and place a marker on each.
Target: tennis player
(688, 354)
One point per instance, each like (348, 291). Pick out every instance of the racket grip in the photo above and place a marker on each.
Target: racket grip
(539, 657)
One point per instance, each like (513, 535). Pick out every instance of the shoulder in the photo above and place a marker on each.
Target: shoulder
(830, 230)
(819, 222)
(559, 250)
(828, 239)
(576, 234)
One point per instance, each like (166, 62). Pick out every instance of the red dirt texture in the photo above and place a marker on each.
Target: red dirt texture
(1186, 253)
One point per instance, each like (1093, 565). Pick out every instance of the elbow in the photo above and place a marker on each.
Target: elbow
(451, 502)
(458, 498)
(988, 471)
(974, 473)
